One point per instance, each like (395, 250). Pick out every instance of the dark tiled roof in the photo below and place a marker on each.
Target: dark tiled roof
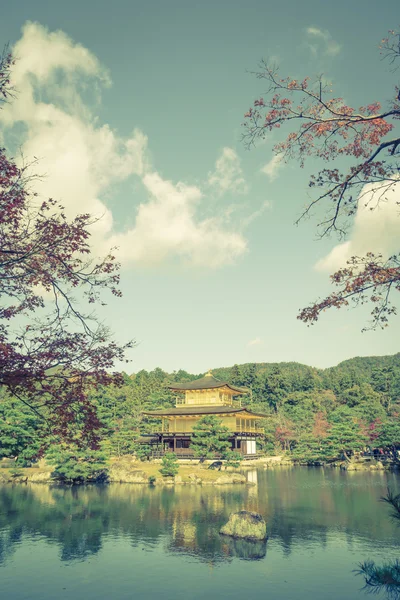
(207, 382)
(200, 410)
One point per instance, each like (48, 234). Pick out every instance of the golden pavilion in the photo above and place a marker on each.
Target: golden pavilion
(207, 396)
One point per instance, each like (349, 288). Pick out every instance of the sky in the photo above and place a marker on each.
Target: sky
(134, 111)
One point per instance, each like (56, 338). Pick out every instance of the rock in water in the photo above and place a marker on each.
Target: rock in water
(246, 525)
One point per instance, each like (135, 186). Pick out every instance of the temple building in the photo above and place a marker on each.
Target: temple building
(207, 396)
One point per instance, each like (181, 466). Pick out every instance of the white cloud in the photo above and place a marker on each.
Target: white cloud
(321, 41)
(272, 168)
(376, 229)
(166, 227)
(81, 160)
(256, 214)
(228, 174)
(256, 342)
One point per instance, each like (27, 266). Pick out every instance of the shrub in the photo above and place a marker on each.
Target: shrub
(143, 451)
(170, 465)
(233, 459)
(75, 465)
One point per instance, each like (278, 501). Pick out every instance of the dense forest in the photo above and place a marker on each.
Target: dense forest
(312, 414)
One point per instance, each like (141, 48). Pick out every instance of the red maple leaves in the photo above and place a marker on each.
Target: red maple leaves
(328, 129)
(51, 352)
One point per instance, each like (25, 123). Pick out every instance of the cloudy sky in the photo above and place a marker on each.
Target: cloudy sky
(134, 110)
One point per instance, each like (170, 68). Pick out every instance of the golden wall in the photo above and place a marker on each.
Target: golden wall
(235, 423)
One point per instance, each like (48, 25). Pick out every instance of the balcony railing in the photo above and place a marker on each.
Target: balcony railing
(179, 401)
(172, 427)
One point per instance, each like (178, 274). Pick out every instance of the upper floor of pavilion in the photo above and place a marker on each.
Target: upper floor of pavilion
(207, 391)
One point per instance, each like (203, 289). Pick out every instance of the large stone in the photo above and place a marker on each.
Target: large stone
(41, 477)
(231, 478)
(194, 478)
(246, 525)
(121, 474)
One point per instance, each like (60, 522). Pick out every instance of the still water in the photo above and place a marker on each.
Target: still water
(132, 541)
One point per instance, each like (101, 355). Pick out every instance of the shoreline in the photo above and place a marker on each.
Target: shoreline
(131, 471)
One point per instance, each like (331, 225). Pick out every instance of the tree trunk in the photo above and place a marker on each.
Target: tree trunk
(345, 456)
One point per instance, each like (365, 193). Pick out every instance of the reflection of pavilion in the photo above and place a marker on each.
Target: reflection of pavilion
(207, 396)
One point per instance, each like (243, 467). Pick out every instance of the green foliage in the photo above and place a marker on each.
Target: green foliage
(387, 577)
(143, 451)
(21, 431)
(360, 399)
(382, 578)
(309, 450)
(233, 459)
(389, 434)
(74, 465)
(394, 501)
(152, 479)
(236, 376)
(210, 438)
(345, 435)
(170, 465)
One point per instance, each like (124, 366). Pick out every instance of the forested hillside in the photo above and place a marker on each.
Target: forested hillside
(340, 409)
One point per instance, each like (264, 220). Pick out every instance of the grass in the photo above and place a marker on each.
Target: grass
(149, 468)
(152, 468)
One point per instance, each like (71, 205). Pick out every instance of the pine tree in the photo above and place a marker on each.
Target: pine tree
(170, 465)
(210, 438)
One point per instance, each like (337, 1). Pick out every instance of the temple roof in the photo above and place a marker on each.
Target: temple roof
(200, 410)
(207, 382)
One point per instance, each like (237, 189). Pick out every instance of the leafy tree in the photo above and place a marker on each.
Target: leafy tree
(143, 451)
(170, 465)
(21, 431)
(320, 427)
(275, 387)
(345, 435)
(249, 375)
(310, 380)
(236, 375)
(308, 450)
(210, 438)
(285, 434)
(385, 381)
(51, 351)
(74, 465)
(310, 446)
(233, 458)
(362, 153)
(389, 435)
(123, 438)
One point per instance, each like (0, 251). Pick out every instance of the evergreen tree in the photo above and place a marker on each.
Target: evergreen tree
(389, 436)
(210, 438)
(74, 465)
(236, 376)
(249, 375)
(275, 388)
(170, 465)
(345, 435)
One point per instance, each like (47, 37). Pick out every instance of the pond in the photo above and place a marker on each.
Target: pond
(131, 541)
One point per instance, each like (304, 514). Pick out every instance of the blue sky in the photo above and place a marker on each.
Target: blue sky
(135, 111)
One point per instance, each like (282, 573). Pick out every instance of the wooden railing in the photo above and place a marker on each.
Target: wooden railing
(232, 429)
(181, 401)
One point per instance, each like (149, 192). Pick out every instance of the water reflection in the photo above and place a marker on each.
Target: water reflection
(301, 507)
